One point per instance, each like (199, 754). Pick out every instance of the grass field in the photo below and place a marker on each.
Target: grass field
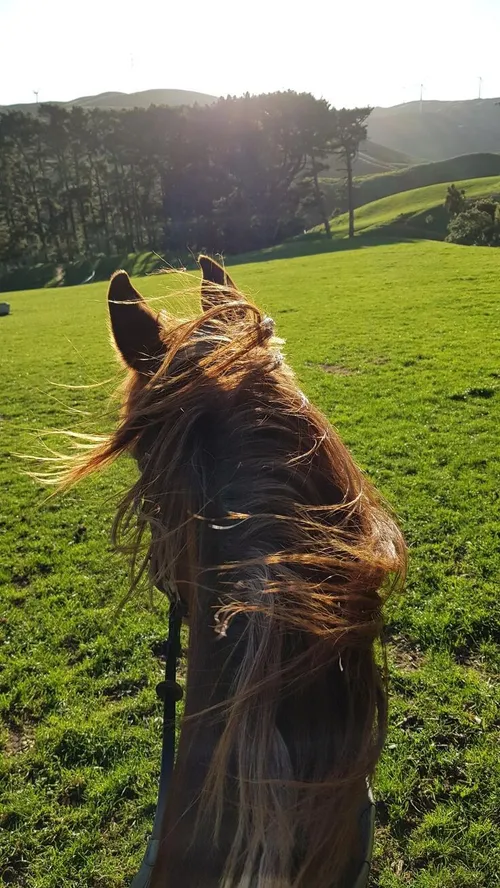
(399, 345)
(410, 208)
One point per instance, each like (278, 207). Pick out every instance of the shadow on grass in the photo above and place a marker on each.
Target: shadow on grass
(310, 245)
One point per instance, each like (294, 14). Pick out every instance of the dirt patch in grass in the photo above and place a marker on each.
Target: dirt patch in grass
(403, 655)
(20, 739)
(334, 369)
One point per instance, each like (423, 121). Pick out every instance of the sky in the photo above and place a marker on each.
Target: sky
(352, 53)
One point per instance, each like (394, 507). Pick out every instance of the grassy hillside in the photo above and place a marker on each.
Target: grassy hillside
(470, 166)
(374, 187)
(120, 100)
(378, 338)
(440, 130)
(408, 211)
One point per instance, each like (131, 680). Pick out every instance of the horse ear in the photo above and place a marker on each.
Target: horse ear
(216, 285)
(136, 330)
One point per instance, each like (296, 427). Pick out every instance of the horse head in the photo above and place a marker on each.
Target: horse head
(249, 509)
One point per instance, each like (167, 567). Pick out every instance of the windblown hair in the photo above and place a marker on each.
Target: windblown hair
(250, 509)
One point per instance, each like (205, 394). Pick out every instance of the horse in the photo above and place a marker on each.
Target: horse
(250, 512)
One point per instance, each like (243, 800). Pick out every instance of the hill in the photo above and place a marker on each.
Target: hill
(416, 213)
(372, 158)
(370, 188)
(119, 100)
(438, 130)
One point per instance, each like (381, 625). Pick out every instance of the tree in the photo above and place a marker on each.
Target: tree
(487, 205)
(350, 132)
(259, 154)
(454, 201)
(474, 227)
(317, 123)
(236, 175)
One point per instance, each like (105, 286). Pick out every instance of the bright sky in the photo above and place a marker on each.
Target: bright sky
(352, 53)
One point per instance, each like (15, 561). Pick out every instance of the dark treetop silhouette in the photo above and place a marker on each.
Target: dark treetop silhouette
(238, 175)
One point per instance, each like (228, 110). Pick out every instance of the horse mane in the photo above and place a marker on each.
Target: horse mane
(250, 509)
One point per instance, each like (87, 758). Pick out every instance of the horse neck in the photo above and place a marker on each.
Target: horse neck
(188, 854)
(295, 736)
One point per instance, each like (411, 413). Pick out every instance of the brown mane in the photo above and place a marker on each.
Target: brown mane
(251, 510)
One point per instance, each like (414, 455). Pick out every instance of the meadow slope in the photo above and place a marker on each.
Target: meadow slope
(399, 345)
(419, 210)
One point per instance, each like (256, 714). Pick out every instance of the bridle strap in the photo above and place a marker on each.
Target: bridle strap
(170, 692)
(367, 824)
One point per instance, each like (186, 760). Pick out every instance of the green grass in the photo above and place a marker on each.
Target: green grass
(408, 210)
(399, 345)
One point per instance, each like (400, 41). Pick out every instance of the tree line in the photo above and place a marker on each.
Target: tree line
(241, 174)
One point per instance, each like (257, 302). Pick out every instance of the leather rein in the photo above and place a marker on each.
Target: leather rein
(171, 693)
